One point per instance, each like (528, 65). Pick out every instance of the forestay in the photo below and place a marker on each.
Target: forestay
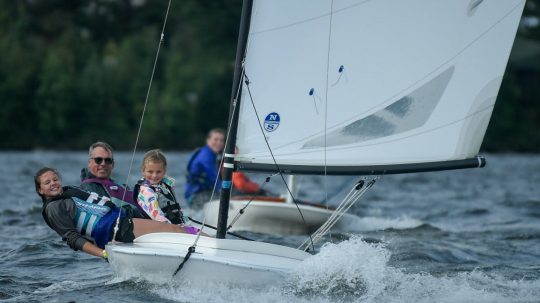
(345, 86)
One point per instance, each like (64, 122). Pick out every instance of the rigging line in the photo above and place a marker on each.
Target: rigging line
(234, 107)
(242, 210)
(273, 158)
(213, 190)
(351, 197)
(326, 109)
(317, 234)
(203, 224)
(350, 203)
(337, 215)
(345, 207)
(215, 228)
(142, 117)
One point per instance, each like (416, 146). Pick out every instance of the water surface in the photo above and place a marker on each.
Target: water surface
(456, 236)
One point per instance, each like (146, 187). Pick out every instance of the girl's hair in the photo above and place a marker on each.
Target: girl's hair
(156, 156)
(37, 181)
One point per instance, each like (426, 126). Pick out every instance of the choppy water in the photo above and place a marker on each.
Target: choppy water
(458, 236)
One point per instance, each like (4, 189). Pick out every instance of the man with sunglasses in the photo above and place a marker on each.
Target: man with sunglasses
(98, 179)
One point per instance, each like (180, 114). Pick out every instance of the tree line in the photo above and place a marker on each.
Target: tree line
(74, 72)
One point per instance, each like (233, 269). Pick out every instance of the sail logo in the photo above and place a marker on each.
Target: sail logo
(271, 122)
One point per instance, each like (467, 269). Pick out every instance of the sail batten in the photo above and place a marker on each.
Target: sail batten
(397, 82)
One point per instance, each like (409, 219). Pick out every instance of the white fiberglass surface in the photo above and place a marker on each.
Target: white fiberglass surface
(224, 246)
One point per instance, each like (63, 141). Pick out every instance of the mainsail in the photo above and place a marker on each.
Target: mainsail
(350, 87)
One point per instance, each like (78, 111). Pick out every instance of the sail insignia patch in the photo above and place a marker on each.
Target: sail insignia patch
(271, 122)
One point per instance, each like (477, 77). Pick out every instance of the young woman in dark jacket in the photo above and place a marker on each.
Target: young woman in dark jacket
(86, 220)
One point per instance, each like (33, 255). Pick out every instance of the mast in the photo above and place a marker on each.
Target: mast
(228, 162)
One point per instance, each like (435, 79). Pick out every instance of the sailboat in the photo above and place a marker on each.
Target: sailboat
(277, 215)
(352, 87)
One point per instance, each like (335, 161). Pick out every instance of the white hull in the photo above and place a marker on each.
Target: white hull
(272, 217)
(156, 256)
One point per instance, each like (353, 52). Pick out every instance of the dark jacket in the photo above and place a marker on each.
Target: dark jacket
(91, 186)
(62, 214)
(130, 207)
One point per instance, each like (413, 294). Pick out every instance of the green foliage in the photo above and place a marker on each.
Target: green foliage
(74, 72)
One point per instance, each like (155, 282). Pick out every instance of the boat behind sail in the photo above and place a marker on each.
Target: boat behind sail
(268, 215)
(349, 87)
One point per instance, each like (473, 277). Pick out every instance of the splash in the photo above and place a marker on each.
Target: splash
(214, 292)
(353, 271)
(349, 270)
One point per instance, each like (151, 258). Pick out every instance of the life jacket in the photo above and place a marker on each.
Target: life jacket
(191, 177)
(95, 214)
(203, 172)
(166, 199)
(117, 192)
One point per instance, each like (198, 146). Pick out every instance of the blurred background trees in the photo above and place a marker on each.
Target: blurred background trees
(74, 72)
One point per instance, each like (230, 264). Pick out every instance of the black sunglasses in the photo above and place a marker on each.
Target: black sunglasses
(98, 160)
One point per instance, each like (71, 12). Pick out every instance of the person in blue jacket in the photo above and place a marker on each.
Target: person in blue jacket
(203, 170)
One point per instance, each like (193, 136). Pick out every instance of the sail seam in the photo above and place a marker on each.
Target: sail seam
(326, 106)
(308, 20)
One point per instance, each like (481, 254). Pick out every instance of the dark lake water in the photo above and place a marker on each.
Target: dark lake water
(457, 236)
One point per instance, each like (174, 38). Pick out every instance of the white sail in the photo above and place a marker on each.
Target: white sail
(355, 83)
